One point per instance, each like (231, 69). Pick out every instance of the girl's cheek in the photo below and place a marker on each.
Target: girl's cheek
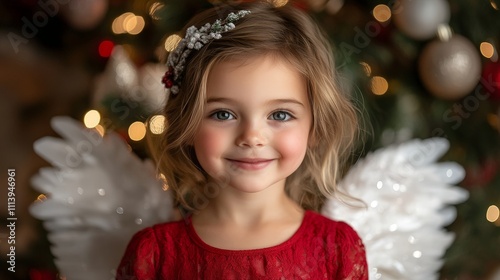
(210, 139)
(292, 144)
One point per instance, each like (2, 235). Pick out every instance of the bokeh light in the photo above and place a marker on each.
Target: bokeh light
(92, 119)
(171, 42)
(379, 85)
(487, 49)
(382, 13)
(157, 124)
(137, 131)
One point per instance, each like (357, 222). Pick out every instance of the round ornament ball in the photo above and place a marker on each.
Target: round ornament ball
(491, 79)
(420, 19)
(450, 69)
(85, 14)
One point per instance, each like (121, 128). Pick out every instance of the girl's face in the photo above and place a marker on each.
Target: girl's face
(256, 123)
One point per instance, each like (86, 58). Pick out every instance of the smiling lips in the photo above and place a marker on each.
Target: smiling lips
(250, 163)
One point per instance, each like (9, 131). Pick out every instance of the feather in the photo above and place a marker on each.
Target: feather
(98, 195)
(407, 197)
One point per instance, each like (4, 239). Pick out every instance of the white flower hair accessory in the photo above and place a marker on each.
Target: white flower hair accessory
(195, 39)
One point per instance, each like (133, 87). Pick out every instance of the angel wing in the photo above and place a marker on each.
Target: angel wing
(98, 195)
(408, 199)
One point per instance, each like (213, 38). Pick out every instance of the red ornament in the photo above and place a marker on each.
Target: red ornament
(479, 176)
(106, 48)
(491, 79)
(41, 274)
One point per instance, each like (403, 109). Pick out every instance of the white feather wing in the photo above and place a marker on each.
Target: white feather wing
(408, 197)
(98, 195)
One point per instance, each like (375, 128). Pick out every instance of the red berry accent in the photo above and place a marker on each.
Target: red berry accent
(167, 78)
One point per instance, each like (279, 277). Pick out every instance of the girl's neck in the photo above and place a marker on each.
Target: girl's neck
(249, 209)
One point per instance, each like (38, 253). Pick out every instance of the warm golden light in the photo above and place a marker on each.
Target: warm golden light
(379, 85)
(157, 124)
(41, 197)
(130, 22)
(137, 131)
(118, 23)
(382, 13)
(492, 214)
(494, 121)
(139, 25)
(100, 129)
(366, 68)
(171, 42)
(487, 49)
(279, 3)
(92, 118)
(493, 4)
(154, 8)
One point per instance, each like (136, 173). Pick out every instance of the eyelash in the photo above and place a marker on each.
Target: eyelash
(214, 114)
(289, 115)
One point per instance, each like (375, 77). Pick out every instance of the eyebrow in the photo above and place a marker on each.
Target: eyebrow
(274, 101)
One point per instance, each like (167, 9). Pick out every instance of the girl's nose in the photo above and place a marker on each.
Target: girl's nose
(251, 135)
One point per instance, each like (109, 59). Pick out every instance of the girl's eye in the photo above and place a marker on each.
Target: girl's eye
(281, 116)
(222, 116)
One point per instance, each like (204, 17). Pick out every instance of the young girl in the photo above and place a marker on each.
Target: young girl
(257, 131)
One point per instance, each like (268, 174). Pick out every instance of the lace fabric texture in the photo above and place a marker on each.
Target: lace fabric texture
(319, 249)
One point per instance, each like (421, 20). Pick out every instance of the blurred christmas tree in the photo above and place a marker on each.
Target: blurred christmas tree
(417, 68)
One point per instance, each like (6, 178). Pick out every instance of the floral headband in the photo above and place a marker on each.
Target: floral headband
(195, 39)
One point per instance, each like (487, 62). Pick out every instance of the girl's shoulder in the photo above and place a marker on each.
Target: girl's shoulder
(321, 220)
(322, 225)
(160, 234)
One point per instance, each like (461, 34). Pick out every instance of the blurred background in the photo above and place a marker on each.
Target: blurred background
(417, 68)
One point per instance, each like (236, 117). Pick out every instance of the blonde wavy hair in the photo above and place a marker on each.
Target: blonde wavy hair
(293, 36)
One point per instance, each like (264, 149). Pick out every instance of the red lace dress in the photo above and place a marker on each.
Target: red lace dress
(319, 249)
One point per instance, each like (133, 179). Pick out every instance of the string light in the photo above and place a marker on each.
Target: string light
(279, 3)
(153, 10)
(171, 42)
(487, 49)
(128, 23)
(382, 13)
(492, 214)
(118, 23)
(379, 85)
(133, 24)
(100, 129)
(157, 124)
(366, 68)
(92, 118)
(493, 4)
(137, 131)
